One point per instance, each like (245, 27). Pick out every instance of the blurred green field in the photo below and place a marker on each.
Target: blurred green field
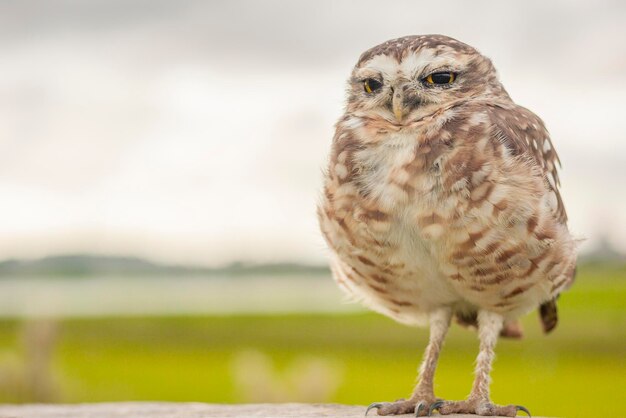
(578, 371)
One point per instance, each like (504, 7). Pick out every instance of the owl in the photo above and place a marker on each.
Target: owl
(441, 200)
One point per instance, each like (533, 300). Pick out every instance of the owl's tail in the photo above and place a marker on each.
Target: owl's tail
(548, 315)
(511, 329)
(548, 310)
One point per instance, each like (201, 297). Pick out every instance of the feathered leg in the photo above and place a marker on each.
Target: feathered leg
(423, 395)
(478, 402)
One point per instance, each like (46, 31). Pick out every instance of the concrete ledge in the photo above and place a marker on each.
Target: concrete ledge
(186, 410)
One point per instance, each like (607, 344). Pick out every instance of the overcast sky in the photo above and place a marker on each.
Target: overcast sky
(196, 131)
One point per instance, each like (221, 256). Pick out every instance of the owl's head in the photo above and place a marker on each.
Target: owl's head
(406, 79)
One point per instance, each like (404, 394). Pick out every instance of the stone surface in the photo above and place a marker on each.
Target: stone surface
(187, 410)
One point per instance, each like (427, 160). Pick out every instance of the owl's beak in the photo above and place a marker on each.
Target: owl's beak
(397, 103)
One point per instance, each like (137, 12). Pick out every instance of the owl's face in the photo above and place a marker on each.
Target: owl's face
(403, 80)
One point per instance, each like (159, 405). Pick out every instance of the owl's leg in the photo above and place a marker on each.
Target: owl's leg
(423, 395)
(478, 402)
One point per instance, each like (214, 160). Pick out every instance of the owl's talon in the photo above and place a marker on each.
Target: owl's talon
(401, 407)
(372, 406)
(435, 406)
(420, 406)
(521, 408)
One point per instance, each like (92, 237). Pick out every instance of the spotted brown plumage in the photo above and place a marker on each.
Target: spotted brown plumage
(442, 199)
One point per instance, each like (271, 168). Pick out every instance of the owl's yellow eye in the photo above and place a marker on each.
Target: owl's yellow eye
(371, 85)
(444, 77)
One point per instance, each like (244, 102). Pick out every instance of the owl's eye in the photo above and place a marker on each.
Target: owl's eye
(371, 85)
(441, 78)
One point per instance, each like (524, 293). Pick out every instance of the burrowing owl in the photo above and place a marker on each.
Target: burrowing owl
(441, 199)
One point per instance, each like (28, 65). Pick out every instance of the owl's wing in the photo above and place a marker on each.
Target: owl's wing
(524, 134)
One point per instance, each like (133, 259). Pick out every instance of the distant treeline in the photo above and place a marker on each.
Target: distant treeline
(83, 265)
(86, 265)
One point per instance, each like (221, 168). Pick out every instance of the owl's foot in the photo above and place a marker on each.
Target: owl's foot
(419, 407)
(484, 408)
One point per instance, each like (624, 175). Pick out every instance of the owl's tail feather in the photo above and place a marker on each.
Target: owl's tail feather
(548, 310)
(511, 329)
(548, 315)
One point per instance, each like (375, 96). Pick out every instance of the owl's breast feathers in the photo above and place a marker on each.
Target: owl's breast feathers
(461, 209)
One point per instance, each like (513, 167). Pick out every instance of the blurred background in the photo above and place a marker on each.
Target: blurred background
(160, 162)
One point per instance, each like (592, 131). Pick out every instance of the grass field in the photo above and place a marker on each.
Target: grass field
(578, 371)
